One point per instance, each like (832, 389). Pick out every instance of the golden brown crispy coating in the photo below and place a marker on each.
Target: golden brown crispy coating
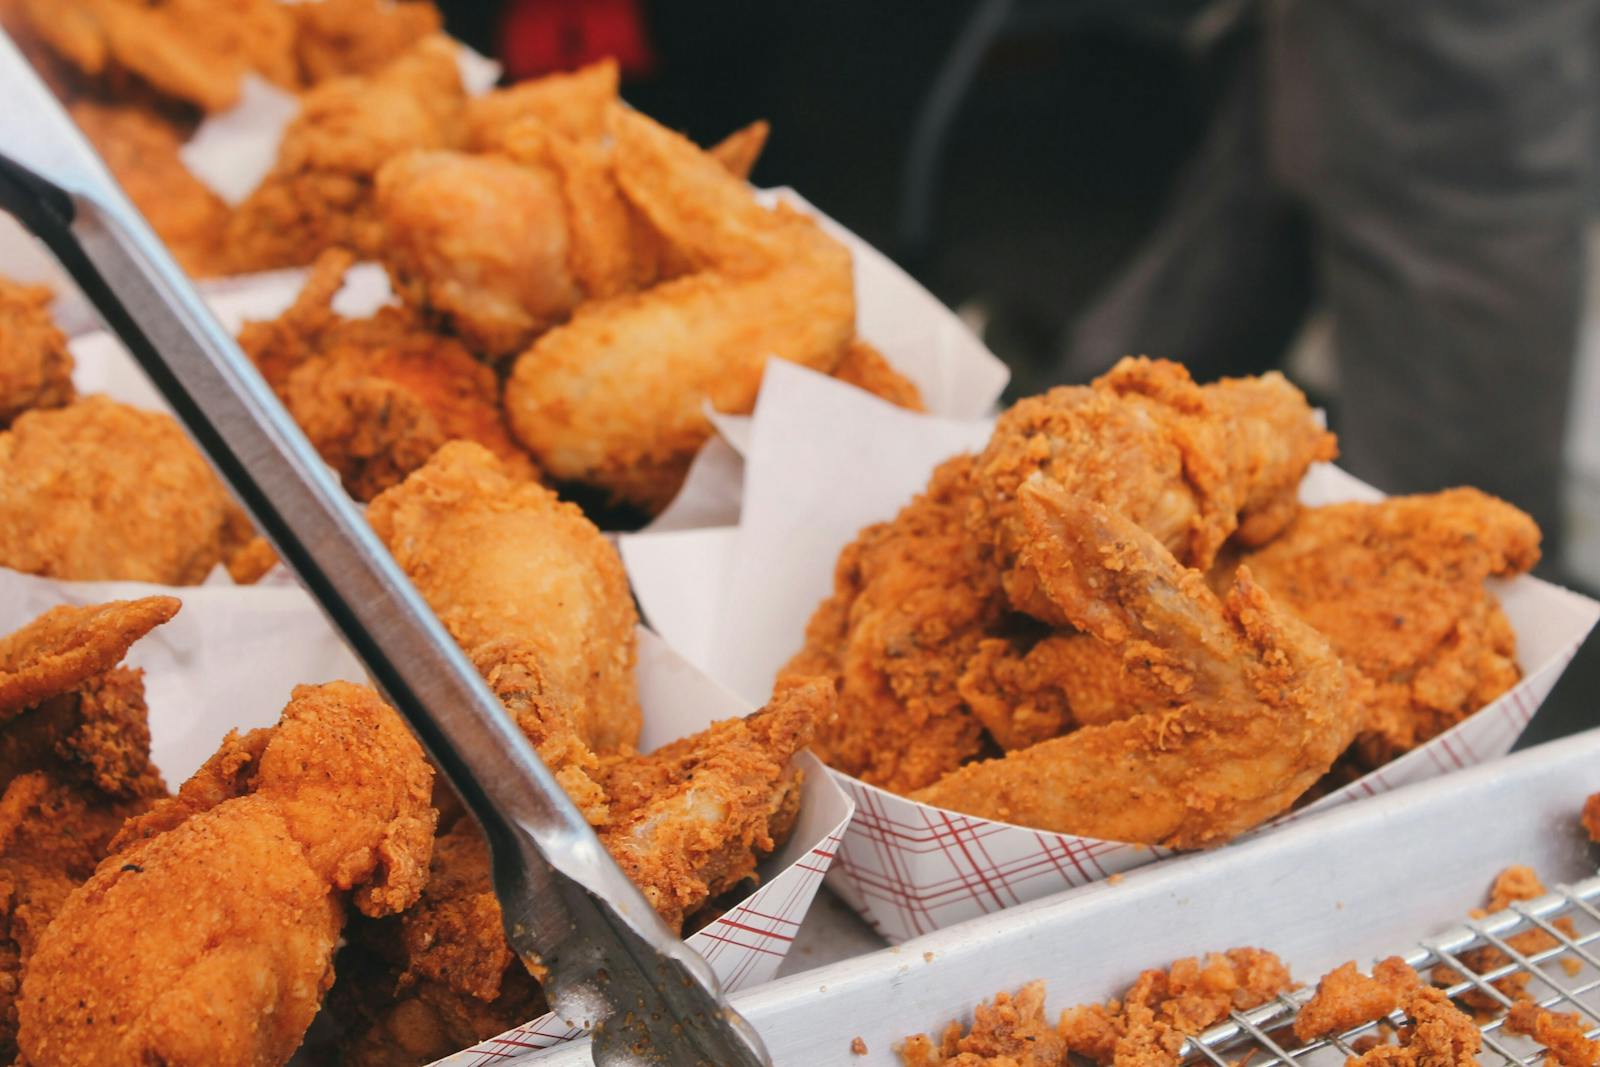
(1149, 1024)
(739, 151)
(1561, 1033)
(913, 599)
(1591, 817)
(1397, 587)
(193, 51)
(99, 490)
(319, 193)
(615, 398)
(35, 366)
(1193, 465)
(74, 764)
(1438, 1033)
(334, 38)
(1011, 1032)
(573, 105)
(534, 594)
(225, 902)
(140, 147)
(690, 820)
(1346, 999)
(1512, 884)
(1257, 706)
(376, 396)
(481, 242)
(864, 367)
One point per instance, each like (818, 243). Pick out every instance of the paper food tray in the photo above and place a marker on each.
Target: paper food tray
(736, 601)
(231, 656)
(1357, 883)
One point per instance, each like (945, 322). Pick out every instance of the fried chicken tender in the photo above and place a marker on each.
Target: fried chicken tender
(377, 396)
(1257, 705)
(225, 903)
(535, 596)
(102, 491)
(334, 38)
(319, 193)
(1148, 1026)
(35, 366)
(1438, 1034)
(1397, 588)
(615, 397)
(74, 764)
(1193, 465)
(1011, 1032)
(194, 51)
(140, 147)
(864, 367)
(688, 822)
(913, 601)
(1563, 1034)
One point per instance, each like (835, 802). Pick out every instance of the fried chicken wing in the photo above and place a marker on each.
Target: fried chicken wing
(615, 397)
(319, 193)
(913, 601)
(1397, 588)
(194, 51)
(74, 764)
(102, 491)
(225, 903)
(35, 366)
(140, 148)
(1257, 705)
(535, 596)
(1193, 465)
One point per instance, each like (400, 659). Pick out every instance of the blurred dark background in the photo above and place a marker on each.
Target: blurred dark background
(1058, 152)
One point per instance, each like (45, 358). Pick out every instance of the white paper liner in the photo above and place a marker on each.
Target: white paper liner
(231, 657)
(824, 461)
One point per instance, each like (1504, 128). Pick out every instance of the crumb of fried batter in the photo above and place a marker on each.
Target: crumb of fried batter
(1561, 1033)
(1149, 1024)
(1591, 817)
(1512, 884)
(1439, 1034)
(858, 1047)
(1346, 999)
(1011, 1032)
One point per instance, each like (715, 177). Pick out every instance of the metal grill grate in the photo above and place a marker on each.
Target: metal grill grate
(1564, 977)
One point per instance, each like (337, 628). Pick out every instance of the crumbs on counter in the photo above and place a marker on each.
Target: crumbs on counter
(858, 1047)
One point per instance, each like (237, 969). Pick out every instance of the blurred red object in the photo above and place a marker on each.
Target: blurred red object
(542, 36)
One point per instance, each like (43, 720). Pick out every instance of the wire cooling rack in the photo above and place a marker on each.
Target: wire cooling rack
(1564, 977)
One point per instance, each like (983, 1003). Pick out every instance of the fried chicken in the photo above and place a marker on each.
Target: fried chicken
(688, 822)
(376, 396)
(535, 596)
(864, 367)
(140, 147)
(1163, 1008)
(574, 105)
(334, 38)
(35, 366)
(319, 193)
(1563, 1034)
(1256, 704)
(74, 764)
(1193, 465)
(615, 397)
(1012, 1032)
(193, 51)
(1437, 1035)
(1397, 588)
(913, 601)
(102, 491)
(225, 903)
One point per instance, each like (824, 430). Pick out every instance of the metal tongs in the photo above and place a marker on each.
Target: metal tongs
(606, 959)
